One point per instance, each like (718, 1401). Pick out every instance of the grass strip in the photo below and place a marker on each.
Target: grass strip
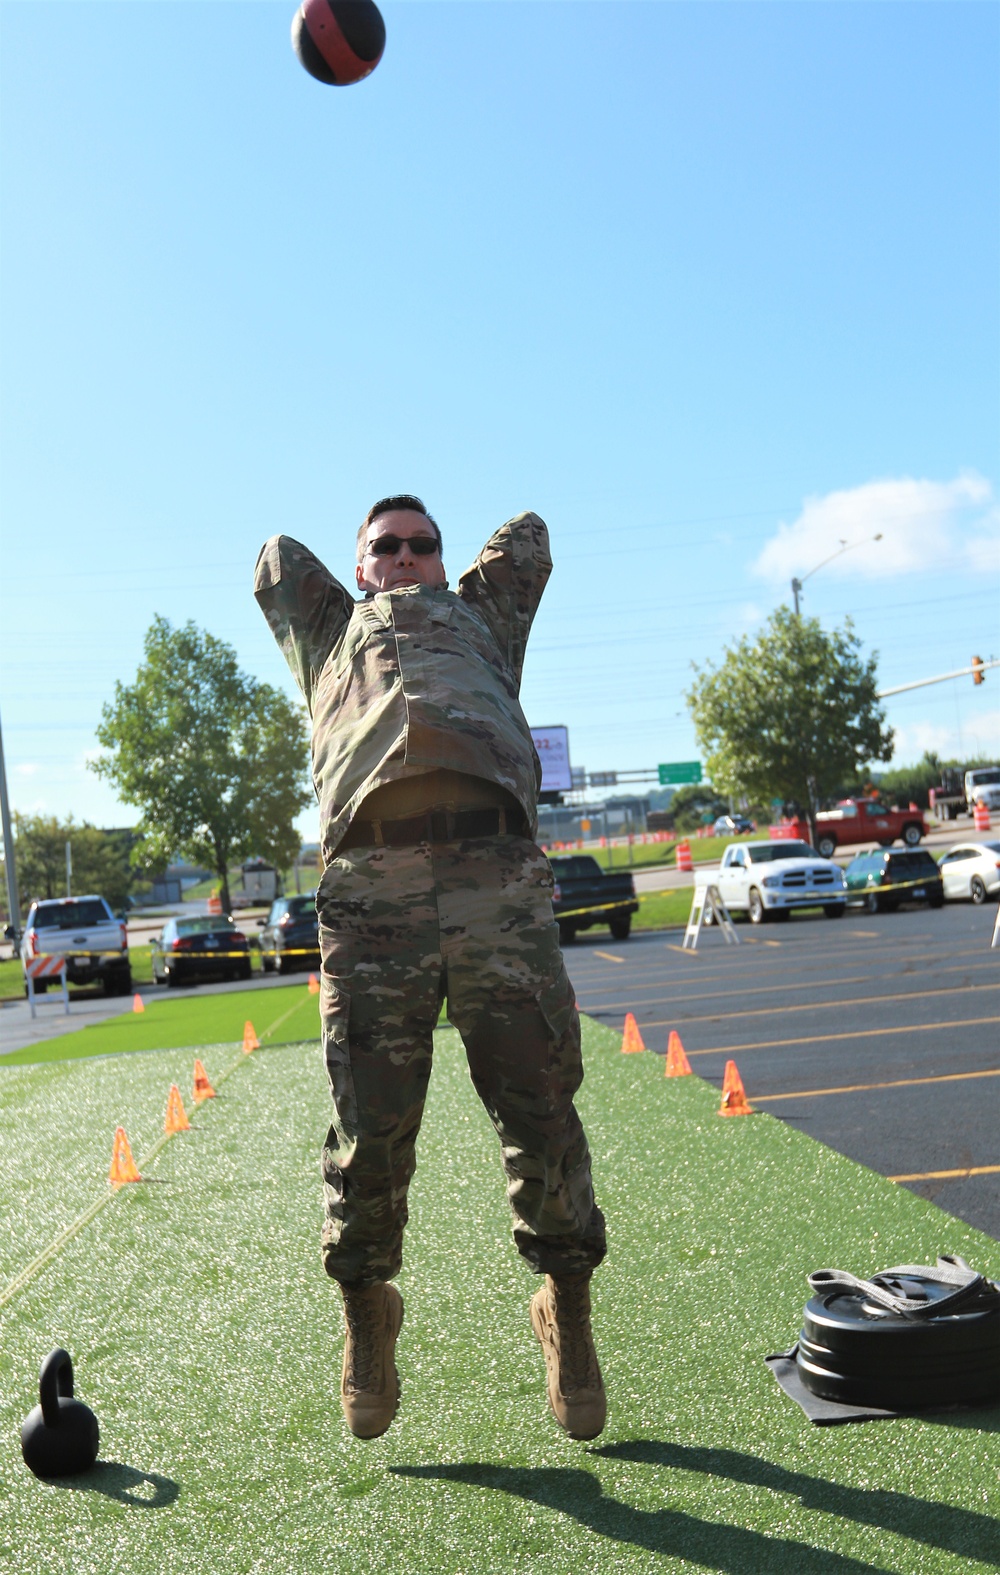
(192, 1021)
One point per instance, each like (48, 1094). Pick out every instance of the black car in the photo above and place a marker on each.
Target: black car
(289, 937)
(884, 880)
(204, 948)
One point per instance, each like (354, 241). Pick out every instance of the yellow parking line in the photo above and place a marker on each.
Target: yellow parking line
(860, 1088)
(949, 1175)
(609, 956)
(822, 1039)
(713, 995)
(816, 1006)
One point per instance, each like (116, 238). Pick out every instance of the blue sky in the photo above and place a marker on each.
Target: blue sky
(712, 287)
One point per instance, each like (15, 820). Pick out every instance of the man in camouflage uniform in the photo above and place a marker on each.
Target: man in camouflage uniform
(433, 887)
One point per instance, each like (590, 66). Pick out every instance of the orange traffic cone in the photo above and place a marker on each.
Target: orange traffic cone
(176, 1118)
(313, 984)
(250, 1040)
(734, 1098)
(137, 1005)
(632, 1038)
(202, 1087)
(678, 1064)
(123, 1166)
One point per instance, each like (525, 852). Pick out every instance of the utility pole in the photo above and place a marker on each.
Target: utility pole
(69, 868)
(13, 901)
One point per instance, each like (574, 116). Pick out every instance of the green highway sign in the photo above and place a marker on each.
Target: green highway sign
(678, 772)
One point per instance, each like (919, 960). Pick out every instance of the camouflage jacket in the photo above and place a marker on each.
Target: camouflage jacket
(410, 680)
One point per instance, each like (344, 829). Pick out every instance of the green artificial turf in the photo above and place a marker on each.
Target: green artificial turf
(285, 1012)
(208, 1342)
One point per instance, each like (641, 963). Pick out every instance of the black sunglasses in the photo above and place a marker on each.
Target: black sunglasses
(388, 546)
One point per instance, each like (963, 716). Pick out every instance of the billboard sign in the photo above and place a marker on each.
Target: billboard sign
(552, 744)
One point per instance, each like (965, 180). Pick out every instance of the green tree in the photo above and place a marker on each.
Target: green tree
(696, 805)
(100, 859)
(791, 714)
(216, 762)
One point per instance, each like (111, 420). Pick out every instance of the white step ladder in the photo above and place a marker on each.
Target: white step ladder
(706, 907)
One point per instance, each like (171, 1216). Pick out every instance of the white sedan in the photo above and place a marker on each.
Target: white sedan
(972, 869)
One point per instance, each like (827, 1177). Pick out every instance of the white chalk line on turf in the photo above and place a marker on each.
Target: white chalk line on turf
(38, 1263)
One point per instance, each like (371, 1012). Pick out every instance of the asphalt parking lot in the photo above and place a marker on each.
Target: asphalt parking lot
(880, 1036)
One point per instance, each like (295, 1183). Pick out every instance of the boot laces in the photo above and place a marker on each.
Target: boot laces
(362, 1322)
(577, 1357)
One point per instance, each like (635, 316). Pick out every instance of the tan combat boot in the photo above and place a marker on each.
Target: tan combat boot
(560, 1317)
(369, 1385)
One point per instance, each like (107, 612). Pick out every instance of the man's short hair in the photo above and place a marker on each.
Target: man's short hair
(401, 500)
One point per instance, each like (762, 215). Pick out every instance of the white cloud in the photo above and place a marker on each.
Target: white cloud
(27, 768)
(925, 526)
(951, 742)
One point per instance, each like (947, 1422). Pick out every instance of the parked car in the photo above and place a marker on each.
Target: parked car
(972, 869)
(585, 895)
(84, 931)
(732, 826)
(766, 880)
(882, 881)
(200, 948)
(289, 936)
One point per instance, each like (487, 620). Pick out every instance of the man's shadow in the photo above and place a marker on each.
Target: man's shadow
(137, 1489)
(732, 1549)
(961, 1531)
(735, 1549)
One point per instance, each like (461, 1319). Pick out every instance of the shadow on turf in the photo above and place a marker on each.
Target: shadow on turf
(961, 1531)
(137, 1489)
(734, 1550)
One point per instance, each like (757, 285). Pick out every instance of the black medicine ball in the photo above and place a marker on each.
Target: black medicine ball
(338, 41)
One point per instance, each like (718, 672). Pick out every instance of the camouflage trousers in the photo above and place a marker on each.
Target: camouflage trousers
(400, 930)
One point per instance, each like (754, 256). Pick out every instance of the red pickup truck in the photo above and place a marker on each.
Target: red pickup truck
(866, 820)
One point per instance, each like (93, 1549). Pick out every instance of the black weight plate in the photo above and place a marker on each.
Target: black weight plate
(907, 1395)
(898, 1363)
(841, 1322)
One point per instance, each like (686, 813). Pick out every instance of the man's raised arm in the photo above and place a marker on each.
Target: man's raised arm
(305, 607)
(507, 580)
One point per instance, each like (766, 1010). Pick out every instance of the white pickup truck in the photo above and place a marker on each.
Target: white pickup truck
(85, 932)
(766, 880)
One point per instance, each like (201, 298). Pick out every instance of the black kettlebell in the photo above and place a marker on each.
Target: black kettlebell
(60, 1436)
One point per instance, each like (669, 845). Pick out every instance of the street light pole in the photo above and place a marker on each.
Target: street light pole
(845, 546)
(13, 901)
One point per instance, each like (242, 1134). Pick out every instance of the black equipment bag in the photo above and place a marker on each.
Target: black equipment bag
(907, 1338)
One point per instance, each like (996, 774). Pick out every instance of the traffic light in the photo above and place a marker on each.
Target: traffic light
(977, 670)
